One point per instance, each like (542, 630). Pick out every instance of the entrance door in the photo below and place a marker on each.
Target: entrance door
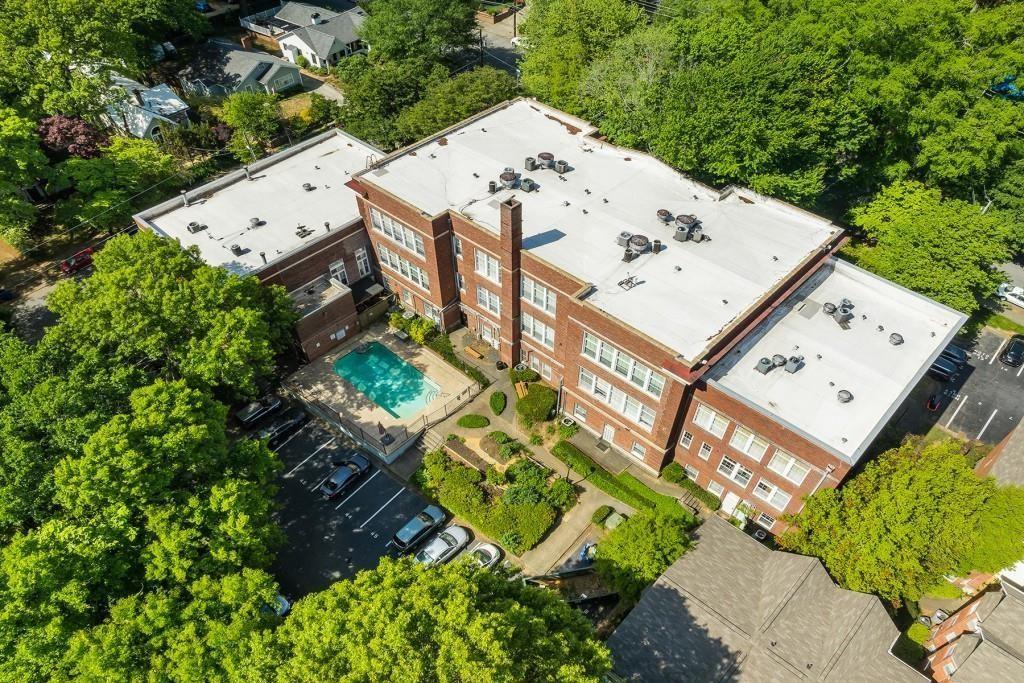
(609, 433)
(487, 334)
(730, 502)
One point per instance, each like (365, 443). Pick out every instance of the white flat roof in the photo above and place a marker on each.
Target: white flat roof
(861, 359)
(688, 294)
(276, 197)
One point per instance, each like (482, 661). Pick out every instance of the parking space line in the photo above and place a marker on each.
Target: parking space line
(987, 423)
(285, 442)
(1020, 371)
(994, 355)
(319, 448)
(957, 411)
(400, 492)
(368, 480)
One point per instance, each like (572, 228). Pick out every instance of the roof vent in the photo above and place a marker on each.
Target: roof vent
(778, 360)
(656, 246)
(254, 223)
(196, 226)
(623, 239)
(895, 338)
(697, 233)
(844, 396)
(237, 250)
(527, 185)
(492, 186)
(629, 255)
(508, 179)
(545, 160)
(844, 314)
(308, 187)
(829, 308)
(664, 215)
(561, 166)
(794, 363)
(639, 243)
(764, 366)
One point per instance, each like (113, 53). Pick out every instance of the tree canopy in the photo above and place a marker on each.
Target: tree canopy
(420, 30)
(449, 101)
(254, 119)
(640, 549)
(22, 164)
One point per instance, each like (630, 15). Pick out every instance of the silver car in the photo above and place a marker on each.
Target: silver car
(444, 546)
(485, 555)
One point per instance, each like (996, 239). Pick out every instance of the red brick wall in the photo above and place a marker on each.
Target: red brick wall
(943, 641)
(314, 330)
(305, 266)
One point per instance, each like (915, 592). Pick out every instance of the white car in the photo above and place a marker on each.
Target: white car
(444, 546)
(1011, 293)
(485, 555)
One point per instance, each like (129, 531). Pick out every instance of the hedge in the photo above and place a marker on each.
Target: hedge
(601, 514)
(526, 375)
(675, 474)
(537, 405)
(473, 421)
(442, 346)
(498, 402)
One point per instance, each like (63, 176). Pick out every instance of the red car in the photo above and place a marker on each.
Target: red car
(73, 264)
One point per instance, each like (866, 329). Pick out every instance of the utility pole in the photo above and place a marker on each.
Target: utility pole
(481, 46)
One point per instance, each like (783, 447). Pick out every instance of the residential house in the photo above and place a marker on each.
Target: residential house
(142, 111)
(983, 642)
(732, 610)
(320, 33)
(221, 67)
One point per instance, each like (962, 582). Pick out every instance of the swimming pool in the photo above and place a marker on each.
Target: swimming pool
(387, 380)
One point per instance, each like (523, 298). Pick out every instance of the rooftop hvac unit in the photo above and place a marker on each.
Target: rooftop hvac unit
(681, 234)
(508, 179)
(697, 233)
(545, 160)
(527, 185)
(764, 366)
(196, 226)
(664, 215)
(778, 360)
(794, 363)
(531, 164)
(561, 166)
(623, 239)
(237, 250)
(639, 243)
(844, 396)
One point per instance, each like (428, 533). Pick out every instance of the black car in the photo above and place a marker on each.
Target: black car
(1013, 354)
(349, 469)
(955, 355)
(418, 528)
(283, 427)
(942, 369)
(257, 410)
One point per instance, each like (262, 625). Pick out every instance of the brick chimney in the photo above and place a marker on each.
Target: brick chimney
(511, 253)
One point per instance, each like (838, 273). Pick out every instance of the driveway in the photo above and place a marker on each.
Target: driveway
(332, 540)
(313, 84)
(497, 38)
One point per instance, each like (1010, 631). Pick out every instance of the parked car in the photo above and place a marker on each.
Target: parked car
(7, 294)
(351, 467)
(942, 370)
(418, 528)
(485, 555)
(73, 264)
(1013, 352)
(955, 355)
(283, 427)
(444, 546)
(257, 410)
(1011, 293)
(280, 607)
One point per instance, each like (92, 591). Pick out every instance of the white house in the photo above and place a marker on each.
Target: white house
(142, 111)
(321, 34)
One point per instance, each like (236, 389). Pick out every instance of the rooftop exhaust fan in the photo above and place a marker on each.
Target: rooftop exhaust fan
(545, 160)
(236, 249)
(508, 179)
(254, 223)
(308, 187)
(561, 166)
(531, 164)
(527, 185)
(778, 360)
(844, 396)
(639, 243)
(664, 215)
(196, 226)
(895, 338)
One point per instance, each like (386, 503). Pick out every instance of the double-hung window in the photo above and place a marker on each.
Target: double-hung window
(537, 294)
(789, 467)
(397, 232)
(457, 246)
(620, 401)
(710, 421)
(536, 330)
(488, 300)
(337, 270)
(772, 494)
(748, 443)
(487, 266)
(622, 364)
(392, 260)
(735, 471)
(362, 262)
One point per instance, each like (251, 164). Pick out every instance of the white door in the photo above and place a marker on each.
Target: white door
(487, 334)
(609, 433)
(730, 502)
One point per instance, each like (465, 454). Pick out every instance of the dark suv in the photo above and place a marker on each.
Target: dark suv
(283, 427)
(418, 528)
(1013, 354)
(257, 410)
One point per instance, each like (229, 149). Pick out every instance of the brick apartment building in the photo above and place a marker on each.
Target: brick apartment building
(710, 327)
(714, 328)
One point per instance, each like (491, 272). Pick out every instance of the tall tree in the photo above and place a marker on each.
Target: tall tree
(640, 549)
(999, 536)
(452, 100)
(402, 621)
(418, 30)
(254, 119)
(22, 164)
(66, 136)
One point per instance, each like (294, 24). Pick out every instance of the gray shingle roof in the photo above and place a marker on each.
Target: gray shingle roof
(224, 63)
(732, 610)
(338, 28)
(1008, 468)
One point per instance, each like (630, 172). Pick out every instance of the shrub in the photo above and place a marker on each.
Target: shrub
(526, 375)
(567, 431)
(601, 514)
(420, 329)
(639, 550)
(500, 436)
(498, 402)
(536, 439)
(301, 62)
(537, 405)
(562, 494)
(473, 421)
(398, 322)
(440, 344)
(675, 474)
(494, 476)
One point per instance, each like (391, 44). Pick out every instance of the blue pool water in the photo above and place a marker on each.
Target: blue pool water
(387, 380)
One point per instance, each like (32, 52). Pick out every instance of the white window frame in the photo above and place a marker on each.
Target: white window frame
(710, 421)
(536, 294)
(622, 364)
(705, 450)
(579, 411)
(485, 265)
(460, 281)
(789, 466)
(747, 442)
(620, 401)
(638, 449)
(761, 521)
(770, 493)
(432, 312)
(735, 472)
(686, 440)
(716, 488)
(362, 262)
(691, 472)
(338, 272)
(397, 231)
(457, 246)
(536, 330)
(488, 300)
(410, 271)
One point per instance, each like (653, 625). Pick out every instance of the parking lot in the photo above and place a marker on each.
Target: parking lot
(332, 540)
(985, 400)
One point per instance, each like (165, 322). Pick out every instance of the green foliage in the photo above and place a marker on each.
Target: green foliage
(674, 473)
(519, 518)
(301, 62)
(442, 346)
(601, 514)
(944, 248)
(537, 405)
(473, 421)
(447, 102)
(501, 630)
(494, 476)
(524, 375)
(423, 30)
(254, 119)
(421, 329)
(536, 439)
(910, 645)
(562, 494)
(946, 591)
(567, 431)
(639, 550)
(563, 37)
(913, 516)
(498, 401)
(21, 165)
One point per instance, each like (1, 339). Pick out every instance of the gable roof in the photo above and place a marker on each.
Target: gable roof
(771, 616)
(159, 103)
(220, 62)
(333, 29)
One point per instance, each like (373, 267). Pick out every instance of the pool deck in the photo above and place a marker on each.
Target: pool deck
(318, 381)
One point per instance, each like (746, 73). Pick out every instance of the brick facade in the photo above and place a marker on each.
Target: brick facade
(941, 661)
